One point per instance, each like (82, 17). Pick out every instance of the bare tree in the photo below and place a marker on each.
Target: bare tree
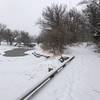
(2, 28)
(54, 28)
(77, 25)
(92, 13)
(23, 37)
(8, 36)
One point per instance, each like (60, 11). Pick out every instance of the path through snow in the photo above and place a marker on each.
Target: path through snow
(80, 80)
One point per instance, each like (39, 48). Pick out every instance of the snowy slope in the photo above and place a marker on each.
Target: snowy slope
(78, 81)
(19, 74)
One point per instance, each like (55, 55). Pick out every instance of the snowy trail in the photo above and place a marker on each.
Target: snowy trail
(19, 74)
(78, 81)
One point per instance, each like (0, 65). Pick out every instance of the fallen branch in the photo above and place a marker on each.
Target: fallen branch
(40, 55)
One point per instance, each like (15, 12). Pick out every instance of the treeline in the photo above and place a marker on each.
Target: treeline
(61, 27)
(11, 36)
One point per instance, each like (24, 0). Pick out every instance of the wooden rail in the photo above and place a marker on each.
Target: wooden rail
(29, 94)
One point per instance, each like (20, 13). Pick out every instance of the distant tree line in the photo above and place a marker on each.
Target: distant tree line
(10, 36)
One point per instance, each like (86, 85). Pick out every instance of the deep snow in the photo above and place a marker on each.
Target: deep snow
(19, 74)
(78, 81)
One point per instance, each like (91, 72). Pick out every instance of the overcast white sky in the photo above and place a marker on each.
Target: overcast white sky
(23, 14)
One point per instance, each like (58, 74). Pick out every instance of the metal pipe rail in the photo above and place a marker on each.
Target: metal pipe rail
(43, 82)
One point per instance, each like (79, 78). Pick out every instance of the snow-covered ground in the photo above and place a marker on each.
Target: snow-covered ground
(19, 74)
(78, 81)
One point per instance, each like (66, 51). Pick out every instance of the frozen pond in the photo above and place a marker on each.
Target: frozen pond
(16, 52)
